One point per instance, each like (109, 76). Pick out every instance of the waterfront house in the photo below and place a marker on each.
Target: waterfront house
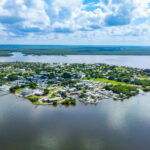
(72, 90)
(51, 99)
(26, 92)
(20, 70)
(38, 93)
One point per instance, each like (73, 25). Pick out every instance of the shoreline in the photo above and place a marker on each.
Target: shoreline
(106, 95)
(44, 83)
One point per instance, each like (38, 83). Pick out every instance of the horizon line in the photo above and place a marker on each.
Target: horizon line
(74, 45)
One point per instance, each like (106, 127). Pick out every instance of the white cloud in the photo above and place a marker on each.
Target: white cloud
(23, 18)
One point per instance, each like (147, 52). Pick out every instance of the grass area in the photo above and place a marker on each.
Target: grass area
(119, 83)
(121, 69)
(38, 103)
(146, 89)
(33, 98)
(144, 76)
(19, 90)
(107, 81)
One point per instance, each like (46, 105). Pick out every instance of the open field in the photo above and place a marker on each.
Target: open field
(107, 81)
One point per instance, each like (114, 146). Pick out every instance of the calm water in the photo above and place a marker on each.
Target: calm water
(132, 61)
(110, 125)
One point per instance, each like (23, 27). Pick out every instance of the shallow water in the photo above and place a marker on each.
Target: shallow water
(109, 125)
(132, 61)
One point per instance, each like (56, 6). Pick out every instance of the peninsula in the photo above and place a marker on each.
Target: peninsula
(44, 83)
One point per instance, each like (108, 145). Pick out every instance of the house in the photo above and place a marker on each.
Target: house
(72, 90)
(135, 77)
(26, 92)
(38, 93)
(80, 74)
(51, 99)
(96, 95)
(20, 70)
(43, 73)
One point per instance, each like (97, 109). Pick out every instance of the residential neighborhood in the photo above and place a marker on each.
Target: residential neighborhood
(43, 83)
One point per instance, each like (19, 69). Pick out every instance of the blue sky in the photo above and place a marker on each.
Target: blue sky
(75, 22)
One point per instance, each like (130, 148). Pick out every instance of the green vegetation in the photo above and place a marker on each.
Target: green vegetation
(63, 94)
(17, 89)
(6, 50)
(121, 69)
(12, 77)
(106, 81)
(141, 82)
(33, 98)
(146, 89)
(14, 89)
(55, 103)
(46, 92)
(5, 53)
(82, 95)
(69, 101)
(38, 103)
(65, 102)
(62, 81)
(53, 95)
(143, 76)
(73, 102)
(66, 75)
(23, 86)
(118, 89)
(33, 85)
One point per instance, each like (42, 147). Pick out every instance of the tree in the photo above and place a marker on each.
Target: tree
(82, 95)
(54, 102)
(13, 77)
(66, 75)
(33, 98)
(53, 95)
(63, 94)
(51, 75)
(65, 102)
(13, 89)
(46, 91)
(33, 85)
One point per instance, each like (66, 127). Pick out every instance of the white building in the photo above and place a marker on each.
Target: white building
(20, 70)
(80, 74)
(38, 93)
(26, 92)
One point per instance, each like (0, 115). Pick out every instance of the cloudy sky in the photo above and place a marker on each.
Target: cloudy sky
(91, 22)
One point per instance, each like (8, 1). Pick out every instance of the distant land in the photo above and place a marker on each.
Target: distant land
(7, 50)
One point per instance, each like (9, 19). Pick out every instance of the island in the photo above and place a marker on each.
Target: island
(44, 83)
